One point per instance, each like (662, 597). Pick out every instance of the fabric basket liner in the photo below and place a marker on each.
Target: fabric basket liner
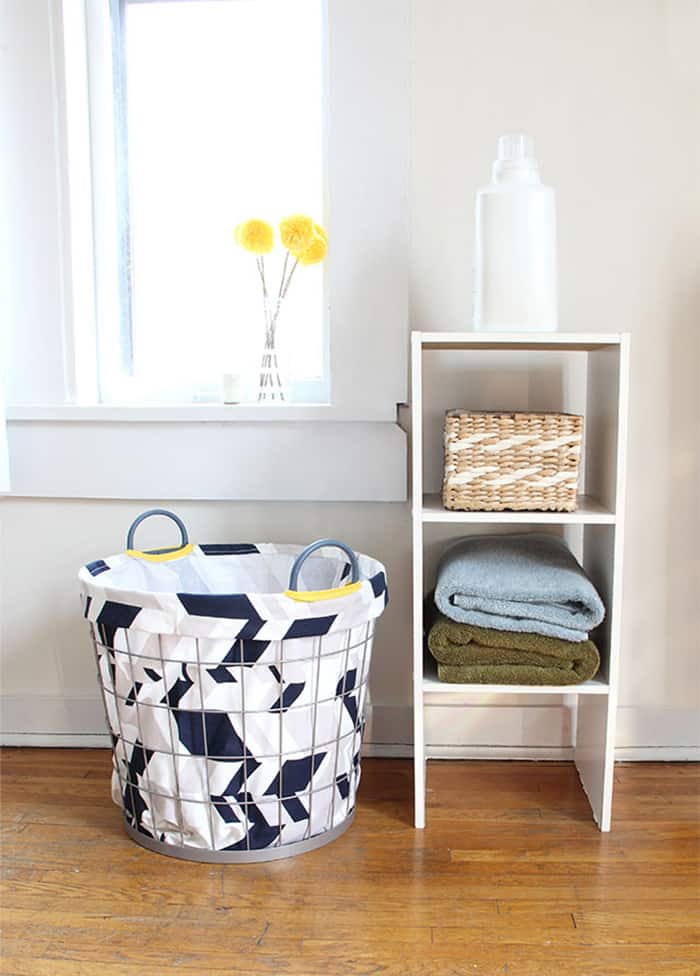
(202, 594)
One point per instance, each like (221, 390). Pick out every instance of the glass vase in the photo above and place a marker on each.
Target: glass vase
(271, 386)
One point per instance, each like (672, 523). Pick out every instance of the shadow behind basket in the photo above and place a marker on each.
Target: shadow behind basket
(511, 461)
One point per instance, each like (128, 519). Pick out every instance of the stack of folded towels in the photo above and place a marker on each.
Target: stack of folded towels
(513, 609)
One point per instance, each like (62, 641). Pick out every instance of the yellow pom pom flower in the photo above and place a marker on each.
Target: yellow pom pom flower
(256, 236)
(317, 249)
(296, 232)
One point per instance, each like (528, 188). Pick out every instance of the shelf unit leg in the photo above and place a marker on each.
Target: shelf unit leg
(418, 714)
(419, 774)
(594, 755)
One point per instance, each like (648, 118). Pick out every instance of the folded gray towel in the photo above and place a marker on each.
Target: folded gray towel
(529, 583)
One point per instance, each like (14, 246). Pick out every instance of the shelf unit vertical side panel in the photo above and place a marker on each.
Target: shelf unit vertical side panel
(615, 635)
(417, 530)
(607, 398)
(601, 434)
(620, 502)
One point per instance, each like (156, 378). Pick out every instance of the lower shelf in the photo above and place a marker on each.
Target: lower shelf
(431, 685)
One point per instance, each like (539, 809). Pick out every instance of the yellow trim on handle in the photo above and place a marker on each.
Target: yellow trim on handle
(314, 596)
(161, 557)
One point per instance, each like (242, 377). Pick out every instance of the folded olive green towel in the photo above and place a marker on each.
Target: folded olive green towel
(469, 654)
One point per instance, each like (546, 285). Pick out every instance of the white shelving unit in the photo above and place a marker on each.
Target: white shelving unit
(599, 515)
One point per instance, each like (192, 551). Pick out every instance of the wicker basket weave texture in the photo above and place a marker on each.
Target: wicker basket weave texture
(496, 462)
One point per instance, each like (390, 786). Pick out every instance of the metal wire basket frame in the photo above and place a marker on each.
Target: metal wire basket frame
(137, 711)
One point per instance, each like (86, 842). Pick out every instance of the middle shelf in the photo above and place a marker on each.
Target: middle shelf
(431, 685)
(589, 512)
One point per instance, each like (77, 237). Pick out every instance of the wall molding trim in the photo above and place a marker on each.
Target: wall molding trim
(507, 731)
(54, 740)
(383, 750)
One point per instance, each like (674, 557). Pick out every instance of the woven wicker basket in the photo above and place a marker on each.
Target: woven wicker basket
(516, 461)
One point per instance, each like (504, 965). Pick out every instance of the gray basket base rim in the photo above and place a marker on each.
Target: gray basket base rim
(239, 857)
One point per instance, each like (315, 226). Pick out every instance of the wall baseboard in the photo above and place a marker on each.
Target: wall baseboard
(402, 750)
(658, 754)
(385, 750)
(508, 730)
(48, 716)
(55, 740)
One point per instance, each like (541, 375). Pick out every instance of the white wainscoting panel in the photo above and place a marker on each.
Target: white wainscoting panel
(256, 461)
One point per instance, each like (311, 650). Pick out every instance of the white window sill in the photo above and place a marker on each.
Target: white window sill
(195, 413)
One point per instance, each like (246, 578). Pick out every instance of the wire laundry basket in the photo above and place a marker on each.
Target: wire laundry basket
(236, 717)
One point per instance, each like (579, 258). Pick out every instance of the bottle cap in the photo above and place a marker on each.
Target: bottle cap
(515, 161)
(514, 147)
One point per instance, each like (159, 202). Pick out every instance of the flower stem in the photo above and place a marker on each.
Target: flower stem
(286, 287)
(269, 365)
(261, 271)
(284, 271)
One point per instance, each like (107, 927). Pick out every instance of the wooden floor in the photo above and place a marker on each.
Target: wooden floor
(510, 878)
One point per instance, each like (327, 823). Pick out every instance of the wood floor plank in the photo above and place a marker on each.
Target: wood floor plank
(321, 960)
(510, 878)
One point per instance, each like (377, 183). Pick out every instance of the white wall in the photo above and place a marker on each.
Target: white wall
(611, 93)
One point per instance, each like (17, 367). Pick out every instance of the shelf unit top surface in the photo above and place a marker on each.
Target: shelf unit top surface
(589, 512)
(539, 341)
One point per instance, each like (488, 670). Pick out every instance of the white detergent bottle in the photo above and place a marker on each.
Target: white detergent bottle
(515, 254)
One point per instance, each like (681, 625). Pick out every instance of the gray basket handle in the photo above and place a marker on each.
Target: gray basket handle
(156, 511)
(320, 544)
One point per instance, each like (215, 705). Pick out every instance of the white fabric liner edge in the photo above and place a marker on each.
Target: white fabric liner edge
(263, 573)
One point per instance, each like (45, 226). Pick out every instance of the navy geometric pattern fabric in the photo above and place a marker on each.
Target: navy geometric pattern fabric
(225, 778)
(96, 567)
(232, 743)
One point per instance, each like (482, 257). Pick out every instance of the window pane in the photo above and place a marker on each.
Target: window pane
(224, 122)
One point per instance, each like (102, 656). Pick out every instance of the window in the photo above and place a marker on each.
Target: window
(70, 156)
(216, 115)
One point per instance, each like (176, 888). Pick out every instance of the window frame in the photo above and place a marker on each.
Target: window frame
(368, 174)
